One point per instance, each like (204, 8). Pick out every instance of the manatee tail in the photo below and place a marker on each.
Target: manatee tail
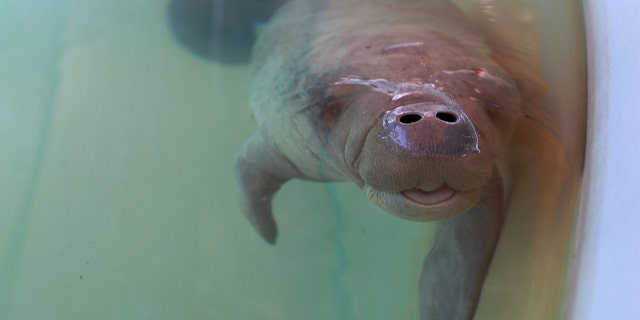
(219, 30)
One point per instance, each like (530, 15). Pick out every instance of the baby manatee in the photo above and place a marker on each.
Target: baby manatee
(405, 98)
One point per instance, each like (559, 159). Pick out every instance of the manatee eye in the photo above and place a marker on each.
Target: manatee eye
(332, 111)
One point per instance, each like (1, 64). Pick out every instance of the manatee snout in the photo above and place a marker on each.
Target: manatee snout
(431, 129)
(422, 161)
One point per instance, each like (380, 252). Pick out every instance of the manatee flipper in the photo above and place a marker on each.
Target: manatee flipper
(454, 270)
(261, 169)
(219, 30)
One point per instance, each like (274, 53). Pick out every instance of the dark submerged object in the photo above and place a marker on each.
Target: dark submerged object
(404, 98)
(219, 30)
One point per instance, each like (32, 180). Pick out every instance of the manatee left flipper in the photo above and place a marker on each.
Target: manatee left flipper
(219, 30)
(261, 169)
(455, 268)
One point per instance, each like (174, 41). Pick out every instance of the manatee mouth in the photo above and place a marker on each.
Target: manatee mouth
(421, 204)
(429, 198)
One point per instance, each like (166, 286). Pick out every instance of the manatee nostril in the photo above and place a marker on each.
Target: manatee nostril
(447, 117)
(410, 118)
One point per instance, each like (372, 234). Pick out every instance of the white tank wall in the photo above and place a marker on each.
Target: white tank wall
(607, 281)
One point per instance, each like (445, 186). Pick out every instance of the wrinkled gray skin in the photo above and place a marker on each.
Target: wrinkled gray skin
(403, 99)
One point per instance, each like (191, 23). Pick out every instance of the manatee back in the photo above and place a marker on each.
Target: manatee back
(280, 67)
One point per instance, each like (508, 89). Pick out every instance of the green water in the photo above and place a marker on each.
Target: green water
(116, 189)
(117, 193)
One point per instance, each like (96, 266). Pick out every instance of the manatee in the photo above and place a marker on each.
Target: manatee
(405, 98)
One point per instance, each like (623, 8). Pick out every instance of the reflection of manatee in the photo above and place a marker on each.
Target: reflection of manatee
(409, 99)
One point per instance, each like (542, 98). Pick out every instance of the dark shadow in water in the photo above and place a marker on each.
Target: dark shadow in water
(219, 30)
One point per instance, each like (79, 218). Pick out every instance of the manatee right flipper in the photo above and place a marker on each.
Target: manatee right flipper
(219, 30)
(261, 169)
(455, 269)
